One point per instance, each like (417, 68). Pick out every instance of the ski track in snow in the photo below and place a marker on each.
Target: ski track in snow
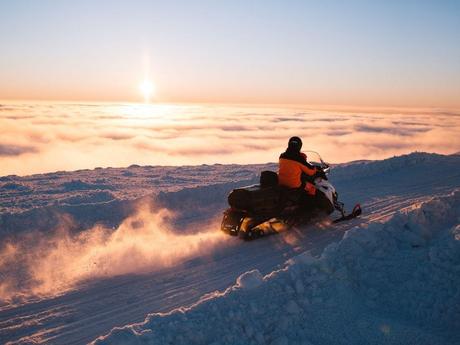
(93, 308)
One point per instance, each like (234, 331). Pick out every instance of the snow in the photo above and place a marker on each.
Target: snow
(392, 282)
(109, 195)
(249, 280)
(81, 256)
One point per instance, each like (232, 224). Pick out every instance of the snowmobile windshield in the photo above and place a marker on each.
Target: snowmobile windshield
(315, 159)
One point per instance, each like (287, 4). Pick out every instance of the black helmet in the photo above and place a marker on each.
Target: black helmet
(295, 143)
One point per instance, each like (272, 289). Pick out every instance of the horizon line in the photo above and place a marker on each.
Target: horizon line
(307, 106)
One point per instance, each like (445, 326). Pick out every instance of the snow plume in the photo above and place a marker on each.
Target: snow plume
(40, 265)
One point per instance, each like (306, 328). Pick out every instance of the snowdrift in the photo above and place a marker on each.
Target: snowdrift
(394, 282)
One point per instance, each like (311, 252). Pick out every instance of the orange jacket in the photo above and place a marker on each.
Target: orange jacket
(291, 167)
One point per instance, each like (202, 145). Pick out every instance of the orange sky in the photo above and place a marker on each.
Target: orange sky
(400, 54)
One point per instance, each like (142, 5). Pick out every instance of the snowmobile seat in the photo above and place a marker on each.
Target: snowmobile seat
(268, 179)
(255, 199)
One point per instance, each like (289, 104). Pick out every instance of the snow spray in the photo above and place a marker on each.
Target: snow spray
(42, 265)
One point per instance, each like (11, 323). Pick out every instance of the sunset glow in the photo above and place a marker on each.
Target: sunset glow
(170, 83)
(357, 53)
(147, 89)
(117, 135)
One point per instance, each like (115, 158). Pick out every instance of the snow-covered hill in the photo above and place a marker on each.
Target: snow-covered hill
(83, 252)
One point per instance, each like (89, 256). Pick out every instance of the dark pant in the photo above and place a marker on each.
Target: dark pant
(316, 203)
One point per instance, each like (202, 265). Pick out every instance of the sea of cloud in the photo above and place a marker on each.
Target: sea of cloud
(44, 137)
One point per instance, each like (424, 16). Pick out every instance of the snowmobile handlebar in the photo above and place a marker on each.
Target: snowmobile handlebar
(326, 169)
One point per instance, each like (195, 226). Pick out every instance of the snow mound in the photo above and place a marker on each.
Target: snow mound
(250, 280)
(413, 162)
(395, 282)
(77, 185)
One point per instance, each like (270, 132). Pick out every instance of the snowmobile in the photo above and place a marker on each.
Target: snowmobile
(266, 208)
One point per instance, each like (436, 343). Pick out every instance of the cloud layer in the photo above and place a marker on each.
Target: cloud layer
(48, 137)
(14, 150)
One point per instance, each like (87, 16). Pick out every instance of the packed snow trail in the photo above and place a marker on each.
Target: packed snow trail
(94, 307)
(126, 299)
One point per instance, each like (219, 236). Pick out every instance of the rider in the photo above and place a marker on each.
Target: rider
(296, 172)
(294, 168)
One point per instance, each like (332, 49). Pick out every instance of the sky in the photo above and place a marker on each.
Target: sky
(384, 53)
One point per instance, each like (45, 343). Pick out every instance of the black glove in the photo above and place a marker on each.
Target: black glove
(320, 173)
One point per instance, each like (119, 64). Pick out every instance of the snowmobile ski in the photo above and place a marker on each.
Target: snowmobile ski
(355, 213)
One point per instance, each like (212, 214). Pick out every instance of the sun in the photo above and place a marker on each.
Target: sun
(147, 89)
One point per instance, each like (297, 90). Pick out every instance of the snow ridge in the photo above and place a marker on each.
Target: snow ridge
(393, 282)
(107, 196)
